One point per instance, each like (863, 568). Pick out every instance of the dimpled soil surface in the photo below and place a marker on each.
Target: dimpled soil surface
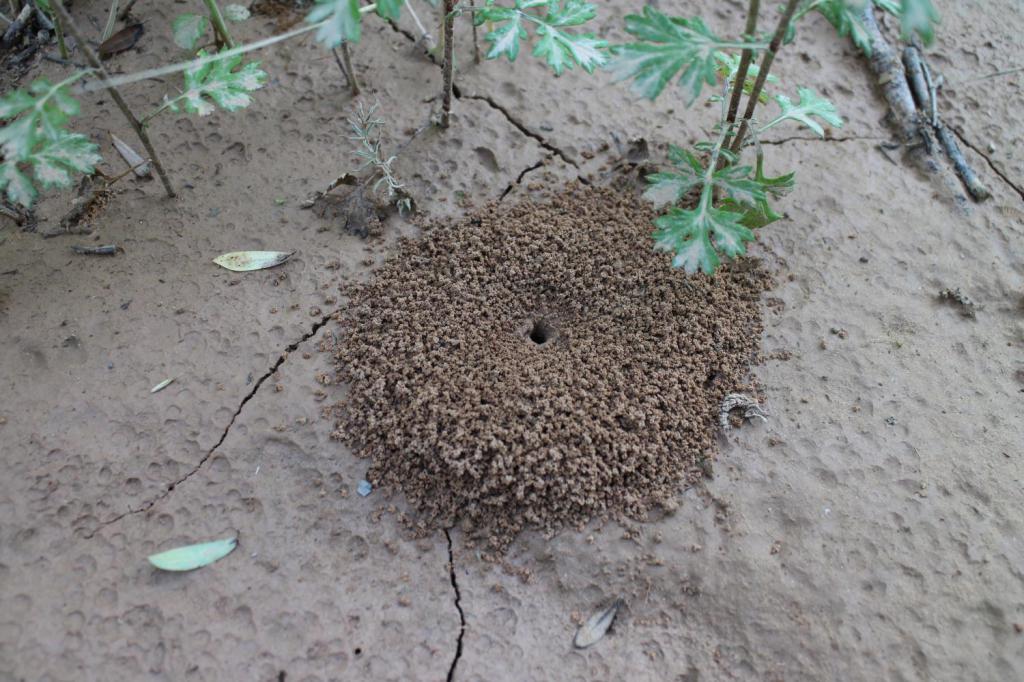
(538, 363)
(870, 530)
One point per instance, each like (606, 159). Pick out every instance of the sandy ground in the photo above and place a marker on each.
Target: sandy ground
(871, 530)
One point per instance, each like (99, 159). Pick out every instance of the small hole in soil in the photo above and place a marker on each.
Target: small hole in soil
(358, 651)
(541, 332)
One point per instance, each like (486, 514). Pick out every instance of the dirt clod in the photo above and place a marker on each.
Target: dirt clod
(540, 364)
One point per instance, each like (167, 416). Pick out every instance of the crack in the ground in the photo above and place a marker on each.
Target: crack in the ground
(963, 140)
(521, 127)
(802, 138)
(146, 506)
(458, 606)
(412, 39)
(519, 180)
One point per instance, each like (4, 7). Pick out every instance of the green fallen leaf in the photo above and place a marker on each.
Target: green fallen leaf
(243, 261)
(162, 385)
(192, 557)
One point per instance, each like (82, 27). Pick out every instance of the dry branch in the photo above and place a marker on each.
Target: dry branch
(115, 94)
(448, 64)
(915, 134)
(919, 79)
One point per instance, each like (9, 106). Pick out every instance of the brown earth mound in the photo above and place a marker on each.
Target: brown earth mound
(540, 364)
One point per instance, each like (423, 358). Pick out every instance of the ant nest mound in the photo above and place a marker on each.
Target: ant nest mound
(539, 364)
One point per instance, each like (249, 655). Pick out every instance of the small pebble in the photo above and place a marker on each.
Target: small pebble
(364, 488)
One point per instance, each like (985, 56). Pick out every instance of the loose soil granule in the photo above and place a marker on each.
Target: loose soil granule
(539, 364)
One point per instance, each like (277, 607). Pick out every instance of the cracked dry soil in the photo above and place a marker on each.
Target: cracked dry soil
(866, 532)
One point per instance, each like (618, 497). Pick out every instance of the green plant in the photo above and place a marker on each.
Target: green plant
(37, 137)
(188, 29)
(341, 20)
(917, 17)
(560, 47)
(366, 130)
(215, 82)
(715, 200)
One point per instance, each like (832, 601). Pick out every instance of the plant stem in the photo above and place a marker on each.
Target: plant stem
(123, 174)
(745, 59)
(762, 74)
(218, 23)
(476, 41)
(123, 14)
(108, 30)
(59, 30)
(448, 66)
(345, 62)
(428, 40)
(94, 61)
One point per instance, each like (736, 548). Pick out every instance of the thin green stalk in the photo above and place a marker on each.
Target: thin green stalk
(707, 191)
(53, 90)
(58, 28)
(159, 71)
(476, 42)
(94, 61)
(449, 66)
(217, 19)
(108, 30)
(762, 74)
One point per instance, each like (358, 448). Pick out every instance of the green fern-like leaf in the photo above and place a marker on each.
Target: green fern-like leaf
(344, 22)
(729, 68)
(920, 17)
(694, 235)
(216, 82)
(810, 105)
(53, 160)
(759, 213)
(44, 110)
(667, 47)
(188, 29)
(36, 136)
(390, 9)
(699, 236)
(559, 47)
